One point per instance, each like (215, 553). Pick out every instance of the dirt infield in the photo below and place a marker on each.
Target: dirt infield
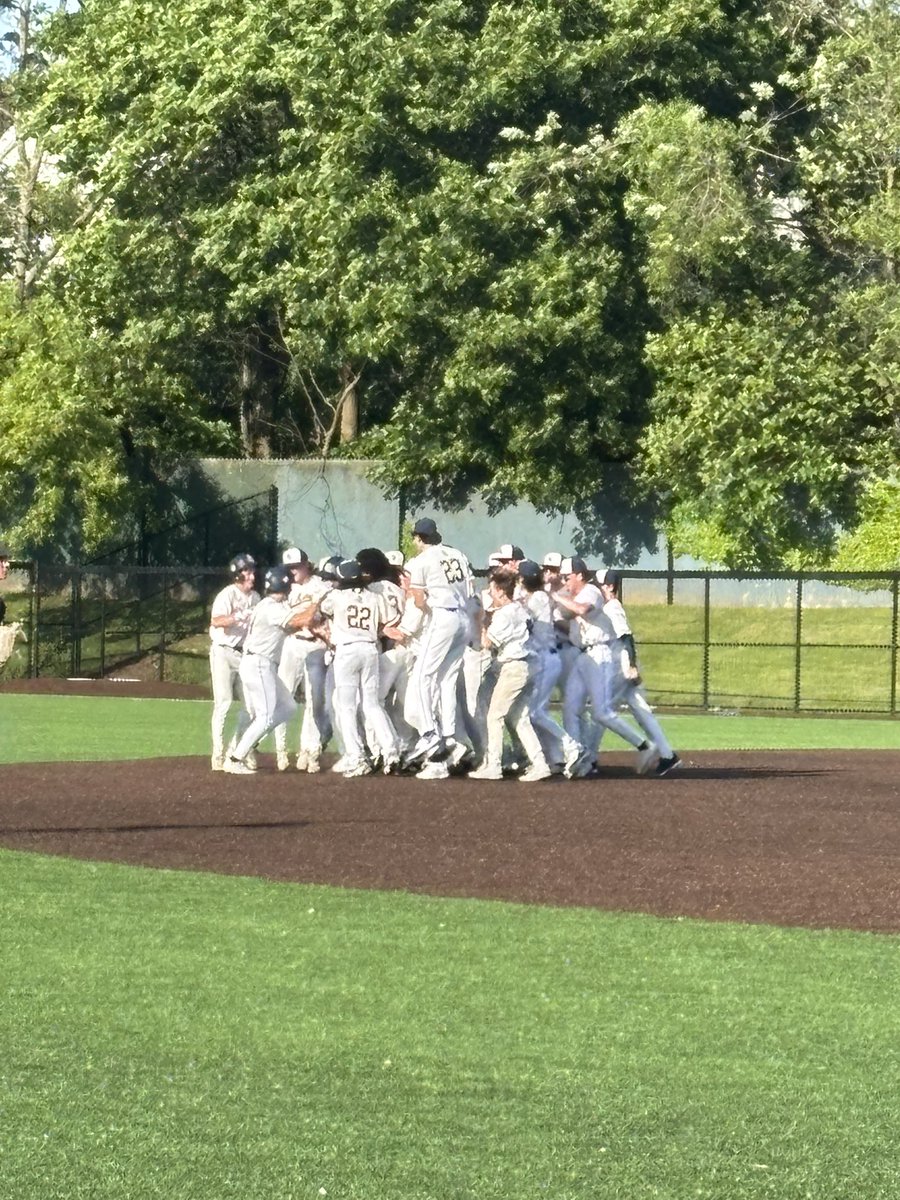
(807, 839)
(142, 689)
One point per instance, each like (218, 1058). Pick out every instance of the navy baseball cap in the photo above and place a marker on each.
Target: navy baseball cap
(529, 569)
(425, 527)
(610, 577)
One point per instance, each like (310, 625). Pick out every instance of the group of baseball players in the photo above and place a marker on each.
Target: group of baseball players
(412, 667)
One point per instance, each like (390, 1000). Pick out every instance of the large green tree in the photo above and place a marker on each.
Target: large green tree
(585, 254)
(405, 215)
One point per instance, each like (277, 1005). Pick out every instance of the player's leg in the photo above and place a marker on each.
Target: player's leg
(290, 672)
(223, 666)
(345, 701)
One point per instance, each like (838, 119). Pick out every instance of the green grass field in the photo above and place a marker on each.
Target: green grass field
(194, 1037)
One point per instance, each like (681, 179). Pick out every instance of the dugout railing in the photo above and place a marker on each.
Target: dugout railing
(708, 640)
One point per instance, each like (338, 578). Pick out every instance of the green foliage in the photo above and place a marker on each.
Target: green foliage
(595, 256)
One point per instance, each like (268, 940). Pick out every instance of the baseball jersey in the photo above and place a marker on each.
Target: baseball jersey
(394, 597)
(231, 601)
(509, 632)
(302, 595)
(594, 626)
(539, 607)
(268, 628)
(355, 615)
(444, 574)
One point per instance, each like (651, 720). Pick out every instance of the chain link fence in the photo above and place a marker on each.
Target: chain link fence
(707, 640)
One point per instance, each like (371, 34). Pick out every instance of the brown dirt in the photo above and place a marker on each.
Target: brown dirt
(807, 839)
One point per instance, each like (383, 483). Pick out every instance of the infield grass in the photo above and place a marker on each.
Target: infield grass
(86, 728)
(190, 1037)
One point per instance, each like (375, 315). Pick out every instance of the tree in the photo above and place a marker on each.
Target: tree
(418, 206)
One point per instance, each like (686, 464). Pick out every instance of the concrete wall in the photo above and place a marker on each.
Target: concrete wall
(334, 509)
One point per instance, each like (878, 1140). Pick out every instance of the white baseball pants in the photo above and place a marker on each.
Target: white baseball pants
(436, 671)
(224, 670)
(355, 684)
(268, 701)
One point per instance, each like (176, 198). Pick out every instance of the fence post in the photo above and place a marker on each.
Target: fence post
(798, 639)
(75, 649)
(102, 632)
(163, 621)
(670, 575)
(894, 630)
(35, 608)
(706, 591)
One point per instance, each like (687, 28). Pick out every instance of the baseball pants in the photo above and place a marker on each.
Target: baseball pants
(509, 706)
(224, 670)
(304, 661)
(592, 679)
(355, 685)
(436, 671)
(268, 701)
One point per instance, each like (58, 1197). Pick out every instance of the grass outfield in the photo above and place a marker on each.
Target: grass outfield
(87, 728)
(193, 1037)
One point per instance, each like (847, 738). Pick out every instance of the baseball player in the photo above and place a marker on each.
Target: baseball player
(626, 677)
(303, 661)
(562, 751)
(508, 634)
(395, 659)
(592, 676)
(228, 625)
(440, 583)
(357, 616)
(268, 700)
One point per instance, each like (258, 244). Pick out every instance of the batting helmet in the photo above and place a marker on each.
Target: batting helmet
(278, 579)
(328, 566)
(240, 563)
(349, 573)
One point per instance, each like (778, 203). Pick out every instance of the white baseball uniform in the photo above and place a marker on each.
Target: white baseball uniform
(268, 700)
(592, 676)
(225, 660)
(356, 615)
(303, 660)
(445, 576)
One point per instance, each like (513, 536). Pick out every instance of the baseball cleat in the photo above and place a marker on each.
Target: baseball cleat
(217, 762)
(342, 765)
(424, 748)
(302, 761)
(582, 768)
(313, 766)
(665, 765)
(358, 771)
(572, 751)
(646, 760)
(535, 773)
(282, 762)
(434, 770)
(486, 772)
(251, 760)
(238, 766)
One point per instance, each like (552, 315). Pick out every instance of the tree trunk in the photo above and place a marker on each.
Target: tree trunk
(349, 405)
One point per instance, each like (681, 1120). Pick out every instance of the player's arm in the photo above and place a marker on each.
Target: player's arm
(576, 608)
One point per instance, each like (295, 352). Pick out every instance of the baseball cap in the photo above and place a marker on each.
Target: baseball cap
(609, 576)
(552, 559)
(494, 560)
(425, 527)
(507, 552)
(294, 557)
(395, 557)
(573, 566)
(529, 569)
